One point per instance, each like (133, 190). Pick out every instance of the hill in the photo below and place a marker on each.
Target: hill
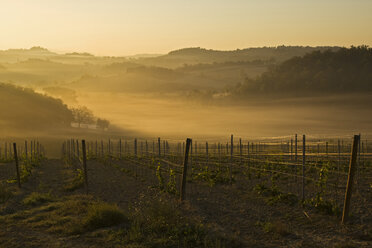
(180, 71)
(320, 72)
(24, 109)
(191, 56)
(14, 55)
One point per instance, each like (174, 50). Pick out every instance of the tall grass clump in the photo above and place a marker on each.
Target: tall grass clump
(101, 215)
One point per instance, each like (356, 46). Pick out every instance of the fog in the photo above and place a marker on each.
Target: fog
(192, 92)
(177, 118)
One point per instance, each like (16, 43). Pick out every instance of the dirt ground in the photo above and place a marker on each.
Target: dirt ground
(232, 209)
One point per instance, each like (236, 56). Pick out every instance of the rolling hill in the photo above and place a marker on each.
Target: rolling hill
(347, 70)
(23, 109)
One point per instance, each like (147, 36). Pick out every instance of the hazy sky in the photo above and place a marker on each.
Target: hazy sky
(125, 27)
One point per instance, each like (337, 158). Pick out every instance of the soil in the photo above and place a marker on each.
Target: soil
(235, 210)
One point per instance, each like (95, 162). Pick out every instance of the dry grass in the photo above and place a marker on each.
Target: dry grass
(5, 194)
(36, 198)
(103, 215)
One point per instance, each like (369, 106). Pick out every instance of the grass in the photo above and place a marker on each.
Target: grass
(68, 215)
(5, 194)
(274, 195)
(25, 169)
(276, 227)
(76, 183)
(155, 223)
(36, 198)
(324, 206)
(162, 224)
(220, 175)
(103, 215)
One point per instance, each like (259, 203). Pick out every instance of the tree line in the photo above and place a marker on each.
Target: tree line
(343, 71)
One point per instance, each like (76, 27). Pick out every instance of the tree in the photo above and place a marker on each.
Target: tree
(82, 115)
(103, 123)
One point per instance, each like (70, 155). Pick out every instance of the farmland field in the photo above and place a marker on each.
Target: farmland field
(185, 124)
(248, 194)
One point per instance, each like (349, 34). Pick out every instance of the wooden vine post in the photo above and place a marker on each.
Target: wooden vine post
(296, 147)
(350, 178)
(231, 157)
(16, 163)
(159, 148)
(96, 149)
(191, 154)
(135, 147)
(206, 151)
(240, 150)
(119, 148)
(303, 165)
(85, 165)
(196, 148)
(147, 148)
(77, 149)
(26, 149)
(184, 174)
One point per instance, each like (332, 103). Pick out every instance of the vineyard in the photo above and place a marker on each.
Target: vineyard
(322, 179)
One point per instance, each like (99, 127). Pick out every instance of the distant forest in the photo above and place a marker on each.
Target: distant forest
(346, 70)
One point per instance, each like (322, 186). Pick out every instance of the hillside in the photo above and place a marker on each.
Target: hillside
(192, 56)
(23, 109)
(328, 72)
(179, 71)
(15, 55)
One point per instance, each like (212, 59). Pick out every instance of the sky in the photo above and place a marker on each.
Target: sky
(128, 27)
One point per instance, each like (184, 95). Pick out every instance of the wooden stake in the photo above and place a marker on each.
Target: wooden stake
(303, 165)
(206, 151)
(296, 147)
(159, 148)
(135, 147)
(119, 148)
(96, 149)
(77, 150)
(16, 163)
(147, 148)
(184, 174)
(241, 150)
(26, 148)
(85, 166)
(350, 178)
(231, 156)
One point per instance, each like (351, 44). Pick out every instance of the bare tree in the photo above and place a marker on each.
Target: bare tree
(103, 123)
(82, 115)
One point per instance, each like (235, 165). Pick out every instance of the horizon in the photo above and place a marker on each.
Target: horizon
(177, 49)
(116, 28)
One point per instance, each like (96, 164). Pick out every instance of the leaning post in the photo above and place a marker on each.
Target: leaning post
(184, 174)
(350, 178)
(16, 163)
